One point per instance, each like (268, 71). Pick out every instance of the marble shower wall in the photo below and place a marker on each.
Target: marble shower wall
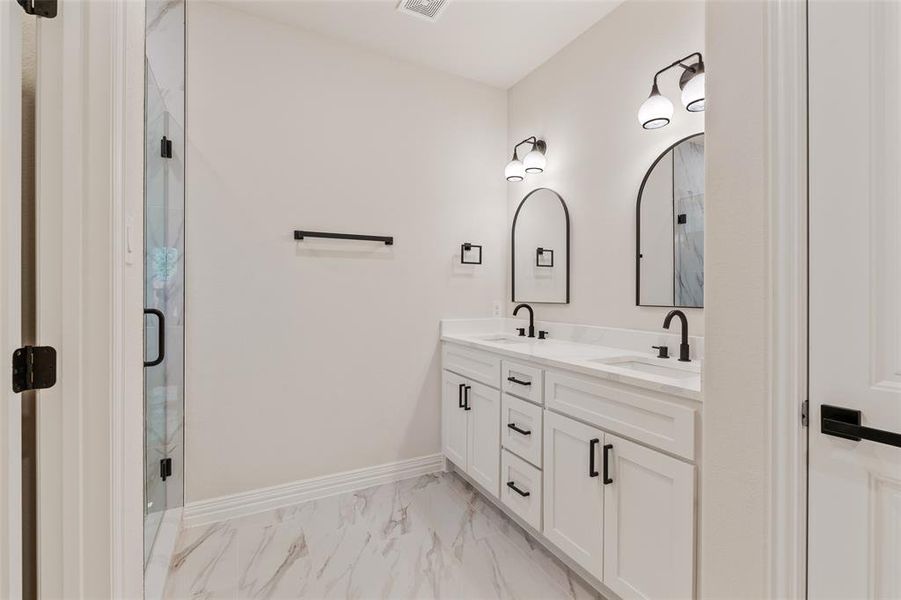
(688, 206)
(164, 218)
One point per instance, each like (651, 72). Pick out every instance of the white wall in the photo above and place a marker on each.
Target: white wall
(312, 358)
(735, 530)
(584, 102)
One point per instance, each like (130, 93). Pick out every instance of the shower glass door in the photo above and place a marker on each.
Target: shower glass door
(164, 274)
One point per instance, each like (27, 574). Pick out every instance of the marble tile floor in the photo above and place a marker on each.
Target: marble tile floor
(428, 537)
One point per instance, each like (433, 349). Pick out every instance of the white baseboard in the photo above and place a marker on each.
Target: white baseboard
(242, 504)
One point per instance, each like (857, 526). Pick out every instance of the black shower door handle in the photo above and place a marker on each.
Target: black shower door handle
(161, 337)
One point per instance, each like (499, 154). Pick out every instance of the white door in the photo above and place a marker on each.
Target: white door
(649, 522)
(483, 405)
(453, 419)
(855, 299)
(10, 298)
(574, 490)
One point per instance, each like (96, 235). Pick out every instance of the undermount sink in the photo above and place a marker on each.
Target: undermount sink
(505, 339)
(652, 366)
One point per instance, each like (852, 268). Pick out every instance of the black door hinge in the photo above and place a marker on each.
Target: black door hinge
(40, 8)
(165, 468)
(166, 147)
(34, 368)
(805, 413)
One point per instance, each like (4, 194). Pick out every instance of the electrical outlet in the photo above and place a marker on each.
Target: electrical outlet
(497, 309)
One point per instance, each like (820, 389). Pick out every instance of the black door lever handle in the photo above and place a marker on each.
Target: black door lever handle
(845, 423)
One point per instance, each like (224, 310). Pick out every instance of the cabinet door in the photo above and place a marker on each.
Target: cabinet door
(649, 523)
(573, 491)
(484, 458)
(453, 419)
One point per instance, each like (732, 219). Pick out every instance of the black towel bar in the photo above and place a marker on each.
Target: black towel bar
(387, 239)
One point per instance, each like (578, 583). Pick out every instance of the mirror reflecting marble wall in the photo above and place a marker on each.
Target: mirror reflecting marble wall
(670, 228)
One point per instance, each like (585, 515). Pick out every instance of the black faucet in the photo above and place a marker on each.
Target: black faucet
(531, 319)
(683, 347)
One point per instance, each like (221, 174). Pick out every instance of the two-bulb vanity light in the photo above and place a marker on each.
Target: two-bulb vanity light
(533, 163)
(657, 110)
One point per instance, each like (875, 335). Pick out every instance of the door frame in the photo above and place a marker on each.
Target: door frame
(10, 298)
(786, 49)
(89, 274)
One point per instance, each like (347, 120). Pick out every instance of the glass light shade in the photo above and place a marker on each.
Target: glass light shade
(656, 111)
(693, 93)
(515, 170)
(535, 162)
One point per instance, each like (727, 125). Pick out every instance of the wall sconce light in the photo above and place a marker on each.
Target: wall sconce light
(657, 110)
(534, 162)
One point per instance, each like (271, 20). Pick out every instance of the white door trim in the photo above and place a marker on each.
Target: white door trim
(10, 298)
(90, 182)
(127, 140)
(787, 152)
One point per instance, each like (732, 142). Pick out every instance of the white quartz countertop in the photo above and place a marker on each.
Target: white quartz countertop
(641, 369)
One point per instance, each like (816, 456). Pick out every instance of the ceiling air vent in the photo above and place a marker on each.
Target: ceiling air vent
(429, 10)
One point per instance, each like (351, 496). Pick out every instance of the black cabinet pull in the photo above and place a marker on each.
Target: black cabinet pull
(515, 380)
(607, 449)
(845, 423)
(466, 405)
(592, 450)
(517, 429)
(460, 395)
(161, 337)
(513, 487)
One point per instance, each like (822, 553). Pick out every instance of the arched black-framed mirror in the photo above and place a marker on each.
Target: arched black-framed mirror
(669, 228)
(540, 249)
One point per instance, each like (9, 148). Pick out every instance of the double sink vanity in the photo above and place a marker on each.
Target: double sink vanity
(585, 438)
(590, 437)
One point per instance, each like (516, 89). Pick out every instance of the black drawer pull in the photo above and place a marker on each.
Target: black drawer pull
(592, 450)
(845, 423)
(607, 449)
(517, 429)
(460, 396)
(466, 405)
(513, 487)
(515, 380)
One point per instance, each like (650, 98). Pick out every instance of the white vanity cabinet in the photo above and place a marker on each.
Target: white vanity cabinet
(574, 491)
(601, 470)
(649, 522)
(471, 414)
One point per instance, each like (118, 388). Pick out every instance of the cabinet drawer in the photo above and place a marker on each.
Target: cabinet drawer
(521, 380)
(473, 364)
(625, 410)
(521, 488)
(517, 418)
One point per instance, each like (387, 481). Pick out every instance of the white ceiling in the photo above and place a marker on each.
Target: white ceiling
(497, 42)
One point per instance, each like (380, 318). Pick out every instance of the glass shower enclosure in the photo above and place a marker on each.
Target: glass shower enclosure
(164, 273)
